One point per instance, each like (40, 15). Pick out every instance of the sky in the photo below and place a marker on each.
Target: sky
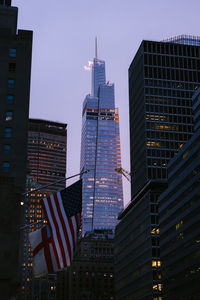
(64, 42)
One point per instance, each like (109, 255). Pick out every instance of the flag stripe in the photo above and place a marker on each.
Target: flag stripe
(50, 223)
(68, 231)
(56, 233)
(47, 253)
(72, 230)
(63, 230)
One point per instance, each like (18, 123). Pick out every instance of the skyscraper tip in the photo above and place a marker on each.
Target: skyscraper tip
(95, 47)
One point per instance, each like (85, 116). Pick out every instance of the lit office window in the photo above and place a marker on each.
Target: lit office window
(6, 166)
(11, 83)
(8, 132)
(10, 99)
(12, 52)
(9, 116)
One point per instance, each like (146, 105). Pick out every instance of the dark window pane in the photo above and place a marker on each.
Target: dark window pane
(6, 166)
(9, 115)
(10, 99)
(11, 83)
(7, 149)
(8, 132)
(12, 52)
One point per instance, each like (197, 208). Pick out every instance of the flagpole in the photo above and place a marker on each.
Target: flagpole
(55, 182)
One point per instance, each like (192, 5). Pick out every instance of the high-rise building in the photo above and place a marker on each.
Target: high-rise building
(179, 212)
(162, 79)
(47, 153)
(100, 153)
(15, 69)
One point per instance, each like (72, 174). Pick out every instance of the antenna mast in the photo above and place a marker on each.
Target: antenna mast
(95, 47)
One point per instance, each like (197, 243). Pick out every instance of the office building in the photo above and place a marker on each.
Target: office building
(100, 153)
(15, 69)
(91, 275)
(179, 212)
(47, 153)
(162, 79)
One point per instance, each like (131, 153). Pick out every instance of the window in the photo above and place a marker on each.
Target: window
(12, 67)
(8, 132)
(11, 83)
(7, 149)
(10, 99)
(9, 116)
(12, 52)
(6, 166)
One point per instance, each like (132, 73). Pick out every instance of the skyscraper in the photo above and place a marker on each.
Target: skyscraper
(47, 153)
(162, 79)
(15, 69)
(100, 152)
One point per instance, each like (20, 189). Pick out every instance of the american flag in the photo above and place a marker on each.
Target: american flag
(62, 211)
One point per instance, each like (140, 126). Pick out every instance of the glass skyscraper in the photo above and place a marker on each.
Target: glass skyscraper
(100, 153)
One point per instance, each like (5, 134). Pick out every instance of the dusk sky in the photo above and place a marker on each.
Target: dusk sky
(63, 43)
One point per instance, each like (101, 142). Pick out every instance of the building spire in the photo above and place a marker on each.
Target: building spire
(95, 47)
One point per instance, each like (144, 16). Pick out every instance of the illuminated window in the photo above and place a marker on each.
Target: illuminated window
(156, 263)
(179, 224)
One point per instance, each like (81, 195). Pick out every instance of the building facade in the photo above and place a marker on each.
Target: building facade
(179, 212)
(100, 153)
(47, 153)
(162, 79)
(15, 69)
(91, 275)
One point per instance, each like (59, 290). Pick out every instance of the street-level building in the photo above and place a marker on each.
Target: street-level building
(91, 275)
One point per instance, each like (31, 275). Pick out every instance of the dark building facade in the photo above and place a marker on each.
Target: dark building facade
(91, 275)
(137, 250)
(179, 213)
(15, 69)
(162, 79)
(47, 153)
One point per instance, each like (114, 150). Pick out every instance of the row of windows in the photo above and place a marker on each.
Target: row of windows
(171, 49)
(171, 74)
(167, 92)
(171, 84)
(172, 61)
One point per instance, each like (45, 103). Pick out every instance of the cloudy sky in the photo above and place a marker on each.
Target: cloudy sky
(64, 34)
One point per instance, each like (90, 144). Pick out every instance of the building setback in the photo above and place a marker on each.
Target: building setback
(162, 79)
(47, 153)
(15, 69)
(100, 153)
(179, 212)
